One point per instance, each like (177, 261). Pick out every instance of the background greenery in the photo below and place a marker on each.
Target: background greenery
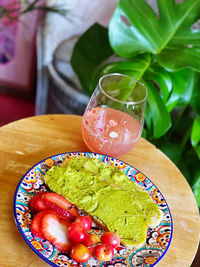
(163, 50)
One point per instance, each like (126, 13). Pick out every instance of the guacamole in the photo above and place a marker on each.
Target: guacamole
(105, 192)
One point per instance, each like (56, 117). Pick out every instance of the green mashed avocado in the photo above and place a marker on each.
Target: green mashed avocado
(105, 192)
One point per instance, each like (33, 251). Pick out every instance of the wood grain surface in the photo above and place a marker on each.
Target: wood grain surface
(24, 143)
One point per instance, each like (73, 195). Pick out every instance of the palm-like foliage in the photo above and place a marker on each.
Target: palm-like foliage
(163, 50)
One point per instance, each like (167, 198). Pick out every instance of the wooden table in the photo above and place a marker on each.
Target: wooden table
(24, 143)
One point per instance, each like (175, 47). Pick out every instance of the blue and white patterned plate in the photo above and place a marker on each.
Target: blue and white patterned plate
(158, 239)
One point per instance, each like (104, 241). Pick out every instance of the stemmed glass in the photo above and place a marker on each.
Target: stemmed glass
(113, 120)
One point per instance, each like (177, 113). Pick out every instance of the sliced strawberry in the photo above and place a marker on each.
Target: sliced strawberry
(61, 205)
(66, 219)
(55, 231)
(36, 203)
(35, 224)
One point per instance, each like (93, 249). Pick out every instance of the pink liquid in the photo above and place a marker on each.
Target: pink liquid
(109, 131)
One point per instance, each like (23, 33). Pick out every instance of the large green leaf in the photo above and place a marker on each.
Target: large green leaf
(179, 58)
(126, 32)
(162, 78)
(195, 99)
(148, 119)
(159, 113)
(189, 164)
(172, 150)
(135, 28)
(91, 50)
(196, 187)
(134, 68)
(186, 37)
(195, 135)
(182, 90)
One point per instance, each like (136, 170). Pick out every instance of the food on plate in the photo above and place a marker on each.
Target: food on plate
(35, 224)
(91, 241)
(86, 222)
(110, 238)
(103, 252)
(36, 203)
(44, 201)
(54, 230)
(69, 236)
(61, 205)
(80, 253)
(77, 232)
(107, 195)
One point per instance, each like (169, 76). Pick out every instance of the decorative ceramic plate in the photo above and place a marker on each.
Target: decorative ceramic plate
(158, 239)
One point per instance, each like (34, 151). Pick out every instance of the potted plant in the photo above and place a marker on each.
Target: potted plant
(161, 48)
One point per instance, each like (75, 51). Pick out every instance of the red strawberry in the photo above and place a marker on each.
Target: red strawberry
(61, 205)
(55, 231)
(36, 203)
(35, 224)
(63, 217)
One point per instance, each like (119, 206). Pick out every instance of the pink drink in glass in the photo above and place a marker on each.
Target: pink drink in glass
(110, 131)
(113, 120)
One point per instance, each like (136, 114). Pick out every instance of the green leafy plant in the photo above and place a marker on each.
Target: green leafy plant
(163, 50)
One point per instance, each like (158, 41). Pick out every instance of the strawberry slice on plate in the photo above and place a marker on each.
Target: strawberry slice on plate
(61, 205)
(35, 224)
(54, 230)
(36, 203)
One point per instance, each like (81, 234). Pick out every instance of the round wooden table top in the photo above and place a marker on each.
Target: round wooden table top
(25, 142)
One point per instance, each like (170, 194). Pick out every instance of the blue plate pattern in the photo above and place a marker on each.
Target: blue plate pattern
(158, 239)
